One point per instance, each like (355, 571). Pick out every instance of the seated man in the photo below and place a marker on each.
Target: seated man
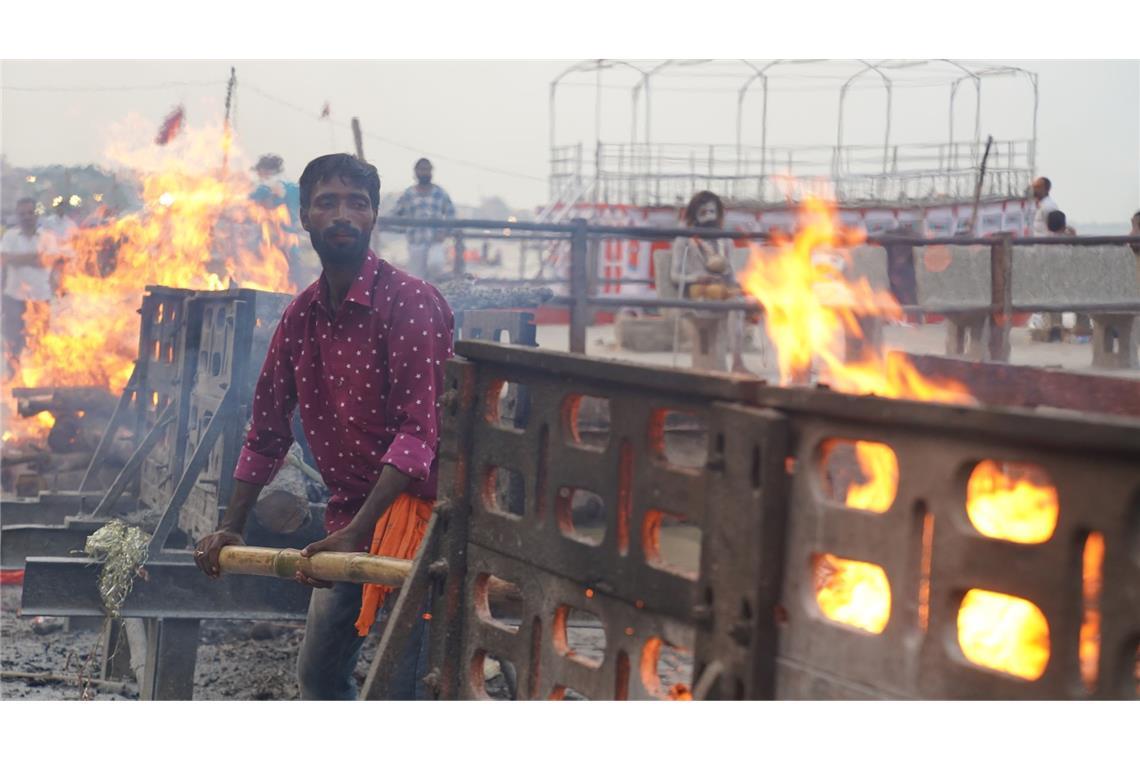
(702, 266)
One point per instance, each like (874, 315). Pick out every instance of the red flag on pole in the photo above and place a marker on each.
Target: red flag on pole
(171, 127)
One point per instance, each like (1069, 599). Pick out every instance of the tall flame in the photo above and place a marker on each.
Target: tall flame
(809, 307)
(197, 229)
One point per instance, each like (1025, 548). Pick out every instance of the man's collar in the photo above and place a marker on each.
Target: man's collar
(360, 292)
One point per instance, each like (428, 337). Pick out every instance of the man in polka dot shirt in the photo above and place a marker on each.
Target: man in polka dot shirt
(360, 353)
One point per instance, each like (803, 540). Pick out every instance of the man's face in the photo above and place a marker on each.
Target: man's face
(26, 214)
(707, 214)
(423, 174)
(339, 219)
(1039, 190)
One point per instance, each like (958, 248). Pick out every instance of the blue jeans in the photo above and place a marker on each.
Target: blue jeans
(331, 647)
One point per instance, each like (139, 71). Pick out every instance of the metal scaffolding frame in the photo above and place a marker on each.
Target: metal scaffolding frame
(866, 185)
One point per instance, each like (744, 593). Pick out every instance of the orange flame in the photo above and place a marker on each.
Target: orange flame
(852, 592)
(879, 465)
(197, 229)
(1092, 562)
(1004, 633)
(1014, 502)
(809, 307)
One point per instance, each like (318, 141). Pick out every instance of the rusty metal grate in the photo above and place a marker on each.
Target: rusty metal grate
(774, 529)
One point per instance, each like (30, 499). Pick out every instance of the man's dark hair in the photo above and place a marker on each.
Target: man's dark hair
(1136, 215)
(700, 199)
(1047, 183)
(348, 167)
(1055, 221)
(420, 163)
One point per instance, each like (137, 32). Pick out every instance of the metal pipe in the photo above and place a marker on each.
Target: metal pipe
(843, 97)
(657, 233)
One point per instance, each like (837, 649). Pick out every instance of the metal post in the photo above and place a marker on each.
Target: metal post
(117, 419)
(172, 653)
(1001, 298)
(579, 286)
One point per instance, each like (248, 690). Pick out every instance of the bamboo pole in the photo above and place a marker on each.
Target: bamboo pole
(351, 567)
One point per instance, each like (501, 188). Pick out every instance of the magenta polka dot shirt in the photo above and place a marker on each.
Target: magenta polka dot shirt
(365, 379)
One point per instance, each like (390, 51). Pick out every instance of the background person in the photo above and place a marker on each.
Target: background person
(425, 200)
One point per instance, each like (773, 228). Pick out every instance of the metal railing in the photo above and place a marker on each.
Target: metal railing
(582, 293)
(660, 173)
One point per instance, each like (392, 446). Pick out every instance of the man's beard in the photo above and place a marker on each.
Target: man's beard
(339, 253)
(711, 224)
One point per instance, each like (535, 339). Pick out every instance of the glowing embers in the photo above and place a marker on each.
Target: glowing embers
(860, 474)
(1092, 571)
(671, 543)
(851, 592)
(586, 421)
(1004, 633)
(560, 692)
(1012, 501)
(581, 515)
(493, 677)
(579, 636)
(679, 438)
(507, 404)
(504, 492)
(497, 602)
(666, 670)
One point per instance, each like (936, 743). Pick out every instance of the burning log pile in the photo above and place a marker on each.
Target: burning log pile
(197, 228)
(78, 418)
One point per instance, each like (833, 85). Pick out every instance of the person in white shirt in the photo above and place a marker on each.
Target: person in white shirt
(60, 224)
(27, 257)
(1045, 203)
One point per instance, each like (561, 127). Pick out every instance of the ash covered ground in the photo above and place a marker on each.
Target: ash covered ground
(235, 661)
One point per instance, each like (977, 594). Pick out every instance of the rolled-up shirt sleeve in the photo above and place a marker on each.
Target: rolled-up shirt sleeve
(270, 434)
(419, 344)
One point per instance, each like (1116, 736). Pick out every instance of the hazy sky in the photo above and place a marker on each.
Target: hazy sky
(495, 114)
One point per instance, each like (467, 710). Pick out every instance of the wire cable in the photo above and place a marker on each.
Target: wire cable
(380, 138)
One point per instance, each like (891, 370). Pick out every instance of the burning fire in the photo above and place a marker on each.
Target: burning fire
(852, 592)
(1092, 562)
(1011, 501)
(197, 229)
(879, 465)
(1004, 633)
(809, 307)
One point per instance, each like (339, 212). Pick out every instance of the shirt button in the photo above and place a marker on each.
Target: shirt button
(339, 382)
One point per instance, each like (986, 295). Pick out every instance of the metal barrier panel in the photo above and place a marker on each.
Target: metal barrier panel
(165, 364)
(770, 498)
(608, 557)
(236, 327)
(932, 554)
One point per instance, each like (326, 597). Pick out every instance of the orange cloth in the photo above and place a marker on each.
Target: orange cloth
(398, 534)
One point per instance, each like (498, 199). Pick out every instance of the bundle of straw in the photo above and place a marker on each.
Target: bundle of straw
(123, 550)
